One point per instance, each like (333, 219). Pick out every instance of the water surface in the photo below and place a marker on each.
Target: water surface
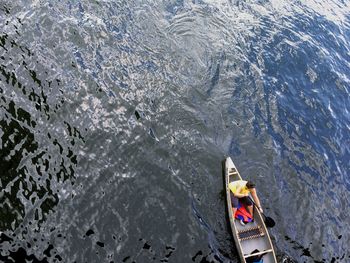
(116, 116)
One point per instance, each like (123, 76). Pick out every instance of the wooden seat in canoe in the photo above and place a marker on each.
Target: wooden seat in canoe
(251, 233)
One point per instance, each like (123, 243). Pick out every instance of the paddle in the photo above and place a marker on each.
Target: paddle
(269, 222)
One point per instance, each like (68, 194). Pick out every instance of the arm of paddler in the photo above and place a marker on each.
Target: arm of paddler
(256, 199)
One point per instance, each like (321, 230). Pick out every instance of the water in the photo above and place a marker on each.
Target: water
(116, 116)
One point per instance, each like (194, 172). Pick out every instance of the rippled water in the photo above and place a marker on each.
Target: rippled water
(116, 116)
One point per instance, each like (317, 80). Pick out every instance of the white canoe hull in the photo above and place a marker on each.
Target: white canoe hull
(246, 245)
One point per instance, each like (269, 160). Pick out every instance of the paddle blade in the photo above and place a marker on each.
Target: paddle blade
(269, 222)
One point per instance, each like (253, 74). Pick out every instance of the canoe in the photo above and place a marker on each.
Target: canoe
(252, 240)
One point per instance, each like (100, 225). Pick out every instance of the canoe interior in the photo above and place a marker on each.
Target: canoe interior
(246, 247)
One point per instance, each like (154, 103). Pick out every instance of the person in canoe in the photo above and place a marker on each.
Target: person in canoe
(239, 191)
